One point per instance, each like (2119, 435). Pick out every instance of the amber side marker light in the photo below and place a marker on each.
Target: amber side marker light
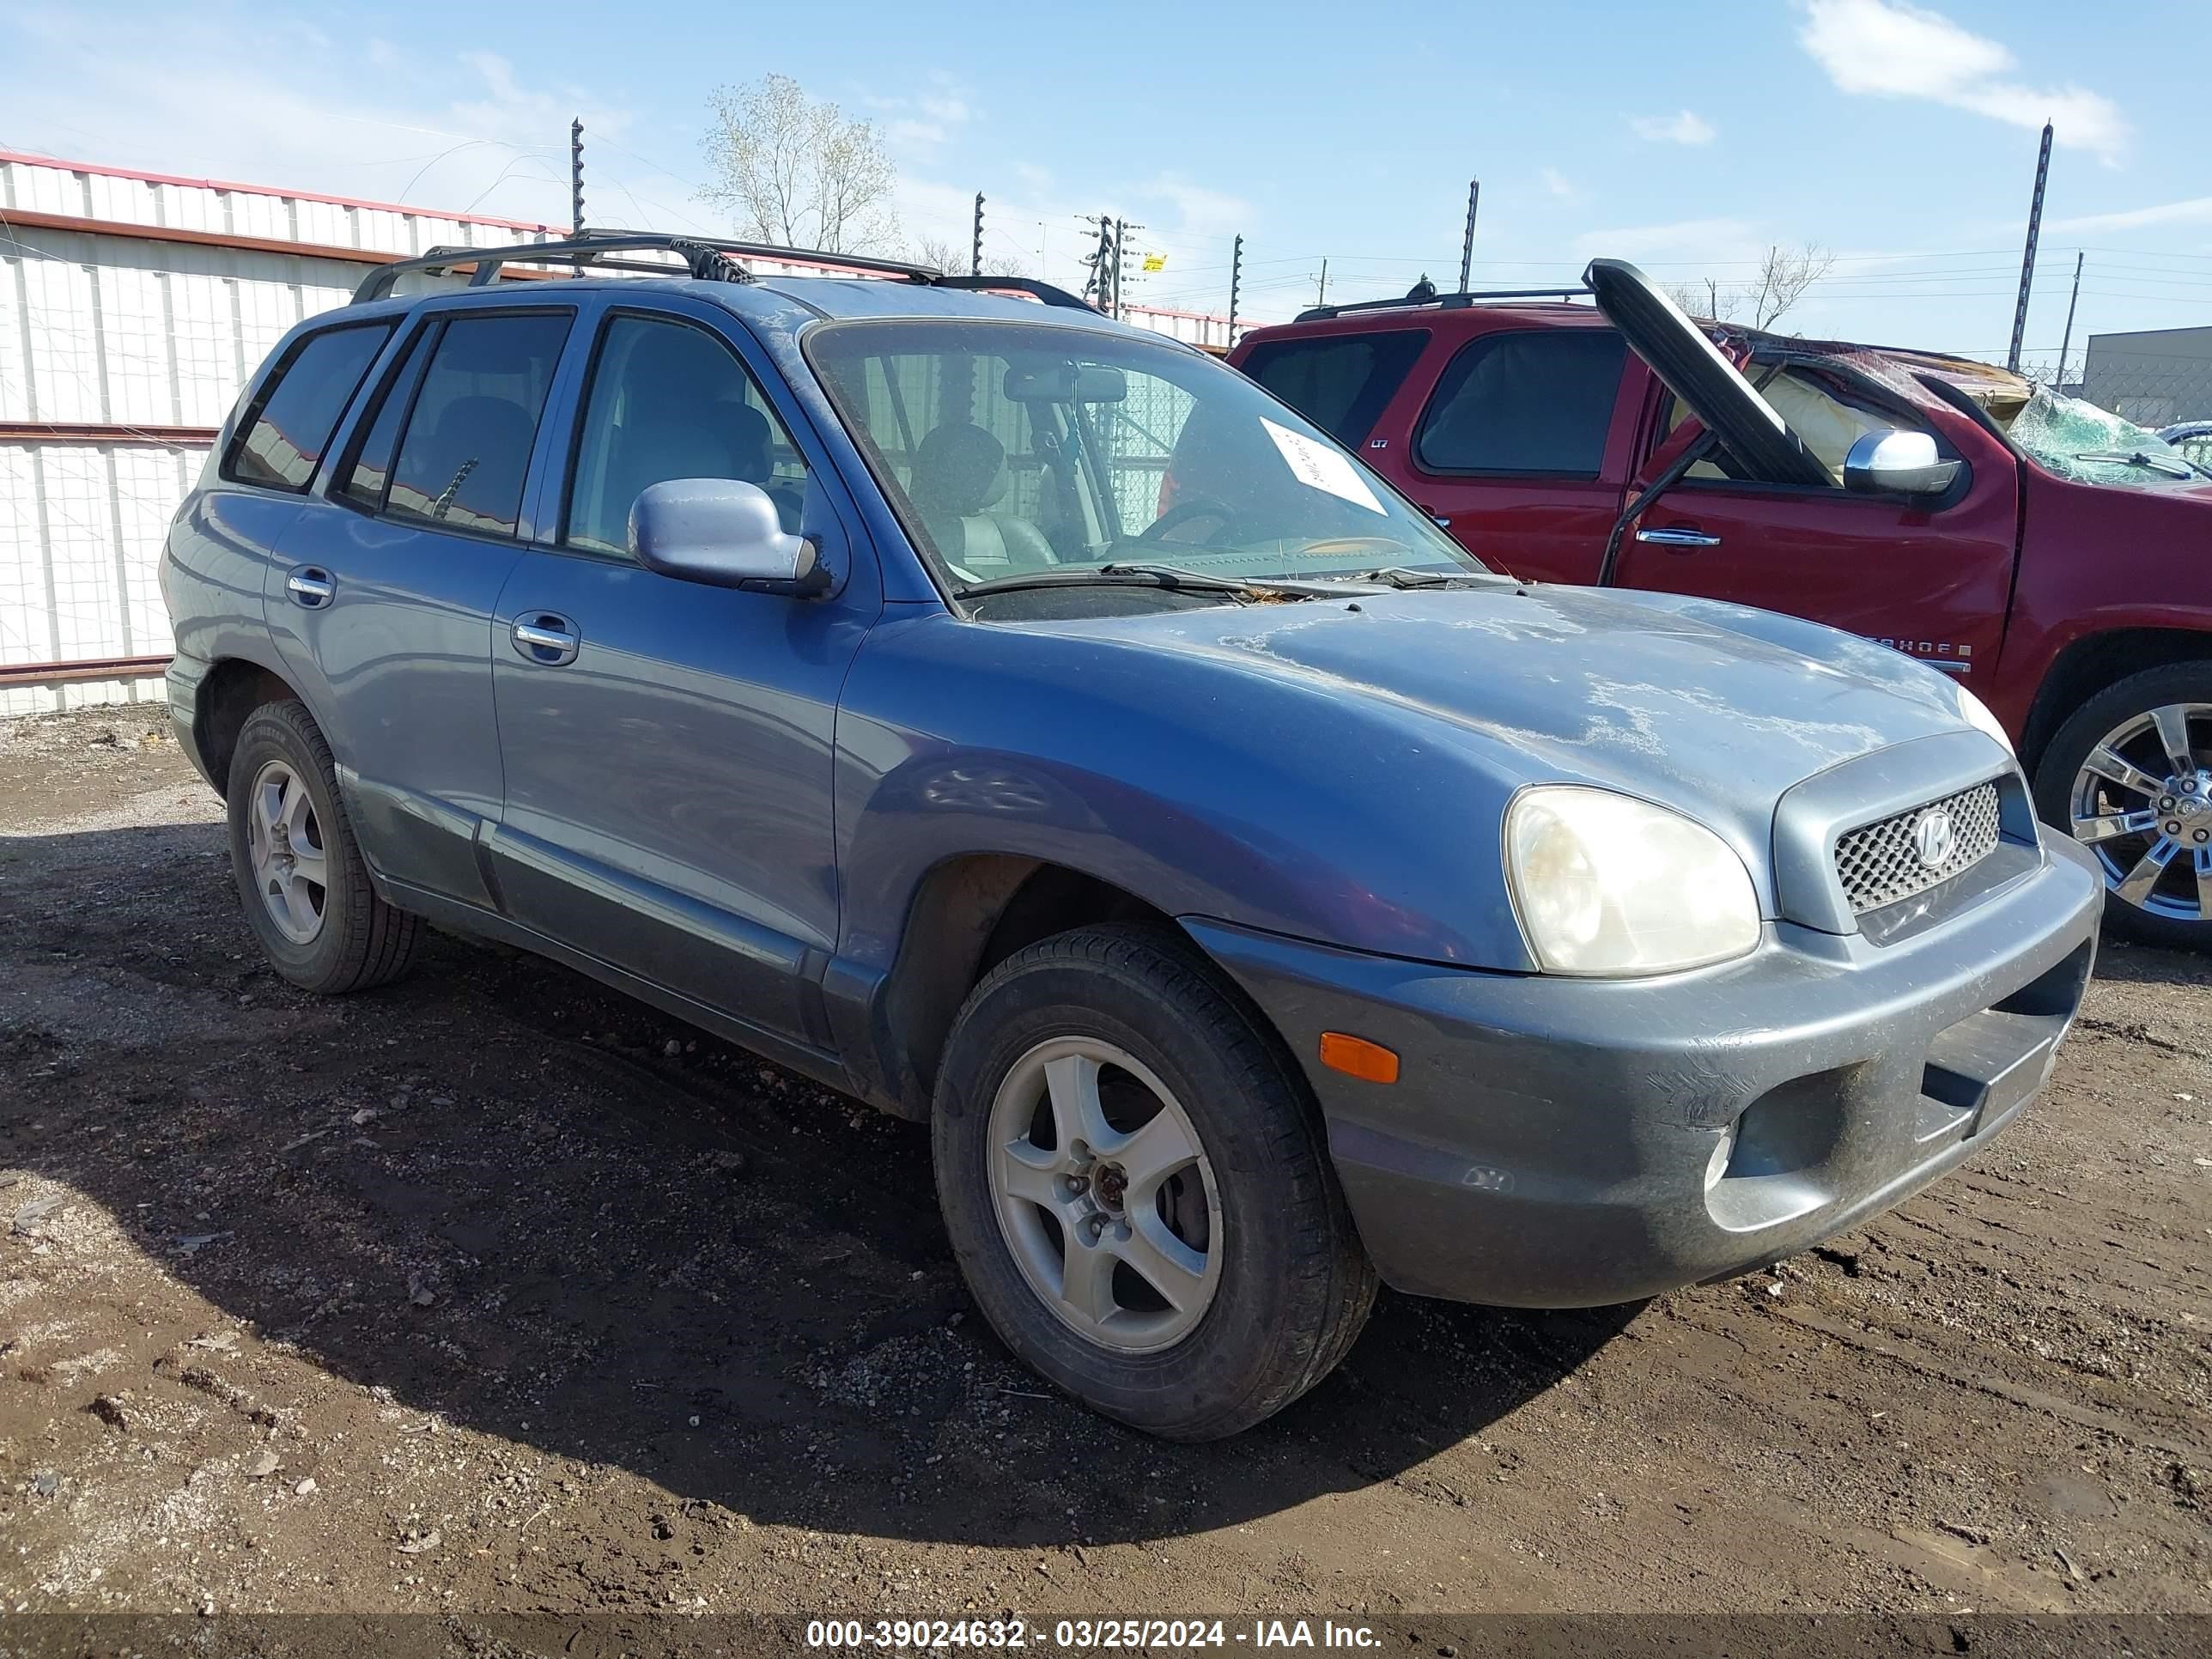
(1358, 1057)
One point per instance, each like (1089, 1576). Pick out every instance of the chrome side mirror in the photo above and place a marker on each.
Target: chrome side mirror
(1888, 462)
(723, 532)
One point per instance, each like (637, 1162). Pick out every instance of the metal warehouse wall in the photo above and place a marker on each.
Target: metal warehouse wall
(132, 307)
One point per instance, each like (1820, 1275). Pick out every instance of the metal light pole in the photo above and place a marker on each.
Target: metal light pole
(2027, 259)
(1466, 247)
(2058, 381)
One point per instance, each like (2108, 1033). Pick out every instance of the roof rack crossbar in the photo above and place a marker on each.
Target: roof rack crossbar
(705, 258)
(1562, 291)
(1029, 285)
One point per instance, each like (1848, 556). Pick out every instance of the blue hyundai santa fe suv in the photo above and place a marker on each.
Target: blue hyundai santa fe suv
(1028, 725)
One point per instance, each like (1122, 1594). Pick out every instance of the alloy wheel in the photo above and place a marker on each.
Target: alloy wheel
(285, 842)
(1104, 1195)
(2142, 803)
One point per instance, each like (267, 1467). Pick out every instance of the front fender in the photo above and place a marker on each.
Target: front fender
(1202, 793)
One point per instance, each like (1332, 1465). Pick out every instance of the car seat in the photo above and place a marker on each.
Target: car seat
(959, 473)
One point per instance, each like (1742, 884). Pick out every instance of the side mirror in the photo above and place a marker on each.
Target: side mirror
(1887, 462)
(723, 532)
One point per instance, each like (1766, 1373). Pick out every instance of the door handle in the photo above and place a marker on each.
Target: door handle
(1677, 536)
(310, 587)
(546, 638)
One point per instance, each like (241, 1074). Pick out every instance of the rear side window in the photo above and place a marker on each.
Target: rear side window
(1524, 404)
(1341, 382)
(464, 453)
(289, 426)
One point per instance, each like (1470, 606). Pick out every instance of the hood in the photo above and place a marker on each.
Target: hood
(1713, 709)
(1658, 330)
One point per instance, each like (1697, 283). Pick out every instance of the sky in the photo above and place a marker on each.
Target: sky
(1899, 137)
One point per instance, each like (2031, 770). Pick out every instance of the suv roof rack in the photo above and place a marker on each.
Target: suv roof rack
(1445, 302)
(706, 260)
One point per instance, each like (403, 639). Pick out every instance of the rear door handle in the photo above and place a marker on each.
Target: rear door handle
(544, 638)
(310, 586)
(1677, 536)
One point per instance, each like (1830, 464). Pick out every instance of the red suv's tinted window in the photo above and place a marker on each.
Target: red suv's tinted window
(1534, 403)
(1338, 381)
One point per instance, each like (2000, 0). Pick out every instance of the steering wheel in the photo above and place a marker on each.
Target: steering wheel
(1198, 507)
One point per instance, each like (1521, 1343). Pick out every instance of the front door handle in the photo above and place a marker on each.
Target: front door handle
(543, 638)
(1677, 536)
(310, 586)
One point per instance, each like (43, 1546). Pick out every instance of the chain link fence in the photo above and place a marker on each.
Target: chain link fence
(2156, 390)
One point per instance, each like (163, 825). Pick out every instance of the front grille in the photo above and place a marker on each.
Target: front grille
(1879, 864)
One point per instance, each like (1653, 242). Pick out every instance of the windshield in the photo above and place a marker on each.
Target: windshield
(1014, 450)
(2077, 439)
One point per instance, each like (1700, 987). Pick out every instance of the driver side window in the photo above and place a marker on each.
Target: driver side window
(668, 400)
(1819, 411)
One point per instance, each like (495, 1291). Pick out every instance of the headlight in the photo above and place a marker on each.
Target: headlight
(1975, 714)
(1606, 885)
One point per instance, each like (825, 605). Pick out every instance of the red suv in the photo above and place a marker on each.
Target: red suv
(2055, 559)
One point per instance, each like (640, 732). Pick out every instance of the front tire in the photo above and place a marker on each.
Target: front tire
(2129, 776)
(301, 879)
(1135, 1184)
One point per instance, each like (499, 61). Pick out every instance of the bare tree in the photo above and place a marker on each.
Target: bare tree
(795, 172)
(1783, 276)
(938, 254)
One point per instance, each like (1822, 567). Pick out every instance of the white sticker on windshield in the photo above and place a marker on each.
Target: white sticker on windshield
(1322, 467)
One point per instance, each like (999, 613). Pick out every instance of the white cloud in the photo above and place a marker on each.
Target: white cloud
(2197, 210)
(926, 120)
(1683, 127)
(152, 89)
(1713, 241)
(1891, 49)
(1559, 185)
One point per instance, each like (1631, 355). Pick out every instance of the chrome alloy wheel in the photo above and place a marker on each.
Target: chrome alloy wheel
(285, 842)
(1104, 1195)
(2143, 804)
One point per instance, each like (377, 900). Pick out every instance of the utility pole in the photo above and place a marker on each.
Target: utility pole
(576, 177)
(1236, 282)
(2058, 381)
(1466, 247)
(2027, 259)
(1100, 273)
(1321, 298)
(976, 253)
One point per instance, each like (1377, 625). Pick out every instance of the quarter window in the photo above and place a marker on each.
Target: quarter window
(1524, 404)
(670, 401)
(465, 452)
(289, 426)
(1341, 382)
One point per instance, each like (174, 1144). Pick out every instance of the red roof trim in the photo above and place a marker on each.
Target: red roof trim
(60, 165)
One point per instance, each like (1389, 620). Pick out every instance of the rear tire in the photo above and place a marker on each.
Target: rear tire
(1208, 1177)
(2112, 778)
(301, 879)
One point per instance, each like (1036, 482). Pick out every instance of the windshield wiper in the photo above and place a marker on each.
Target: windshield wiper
(1135, 574)
(1400, 575)
(2137, 458)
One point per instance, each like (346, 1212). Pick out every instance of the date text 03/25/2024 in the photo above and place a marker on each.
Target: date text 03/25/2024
(1107, 1635)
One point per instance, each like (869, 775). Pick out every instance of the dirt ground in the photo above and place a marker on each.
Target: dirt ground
(497, 1291)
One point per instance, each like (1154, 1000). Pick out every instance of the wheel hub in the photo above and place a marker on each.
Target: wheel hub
(2142, 803)
(1106, 1200)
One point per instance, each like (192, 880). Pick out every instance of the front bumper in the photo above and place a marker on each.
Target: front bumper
(1557, 1142)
